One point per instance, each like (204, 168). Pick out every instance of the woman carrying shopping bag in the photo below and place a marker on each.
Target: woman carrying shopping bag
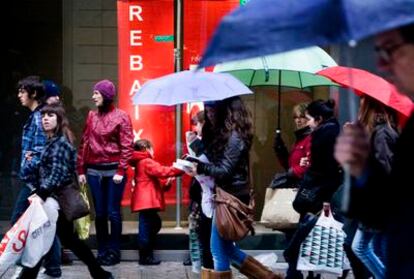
(56, 170)
(322, 178)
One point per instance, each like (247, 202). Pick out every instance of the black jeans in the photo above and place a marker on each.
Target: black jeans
(204, 232)
(70, 239)
(291, 254)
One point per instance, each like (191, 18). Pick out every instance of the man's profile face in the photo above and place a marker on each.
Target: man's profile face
(399, 67)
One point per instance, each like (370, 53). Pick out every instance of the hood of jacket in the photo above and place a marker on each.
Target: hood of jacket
(140, 155)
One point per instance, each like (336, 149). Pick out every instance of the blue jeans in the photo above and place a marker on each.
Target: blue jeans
(107, 198)
(53, 257)
(149, 225)
(224, 251)
(21, 204)
(369, 247)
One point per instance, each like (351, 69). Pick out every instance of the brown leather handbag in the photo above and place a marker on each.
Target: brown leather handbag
(234, 219)
(71, 203)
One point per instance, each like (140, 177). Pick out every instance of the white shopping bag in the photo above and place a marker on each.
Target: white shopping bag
(41, 234)
(323, 249)
(28, 228)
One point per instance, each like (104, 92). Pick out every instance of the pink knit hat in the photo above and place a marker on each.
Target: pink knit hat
(106, 88)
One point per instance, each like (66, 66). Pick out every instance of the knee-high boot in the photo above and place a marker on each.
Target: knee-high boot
(253, 269)
(220, 274)
(206, 273)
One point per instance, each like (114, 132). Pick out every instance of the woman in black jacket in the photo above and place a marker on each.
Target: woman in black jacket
(227, 137)
(324, 175)
(320, 181)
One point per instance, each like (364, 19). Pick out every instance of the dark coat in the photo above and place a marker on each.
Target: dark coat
(231, 169)
(324, 175)
(398, 205)
(367, 201)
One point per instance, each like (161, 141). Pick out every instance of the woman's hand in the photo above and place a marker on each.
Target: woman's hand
(168, 184)
(82, 179)
(304, 162)
(191, 171)
(28, 155)
(117, 178)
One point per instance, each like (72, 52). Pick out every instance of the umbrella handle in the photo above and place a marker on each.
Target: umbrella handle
(279, 91)
(346, 194)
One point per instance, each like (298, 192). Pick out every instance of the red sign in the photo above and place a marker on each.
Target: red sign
(201, 18)
(146, 51)
(144, 56)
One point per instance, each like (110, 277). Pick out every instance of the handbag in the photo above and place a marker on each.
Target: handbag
(71, 202)
(233, 218)
(308, 200)
(82, 225)
(281, 180)
(278, 212)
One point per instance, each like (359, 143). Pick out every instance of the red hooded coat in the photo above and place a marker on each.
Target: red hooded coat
(150, 178)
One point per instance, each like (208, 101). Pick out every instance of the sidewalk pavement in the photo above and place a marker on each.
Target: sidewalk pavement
(132, 270)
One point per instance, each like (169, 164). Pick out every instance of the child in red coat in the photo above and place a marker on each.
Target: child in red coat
(151, 180)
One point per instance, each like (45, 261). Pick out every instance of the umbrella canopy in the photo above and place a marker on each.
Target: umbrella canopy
(366, 83)
(289, 69)
(300, 24)
(189, 86)
(292, 69)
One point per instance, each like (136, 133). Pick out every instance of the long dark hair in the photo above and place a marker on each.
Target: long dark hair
(230, 115)
(62, 127)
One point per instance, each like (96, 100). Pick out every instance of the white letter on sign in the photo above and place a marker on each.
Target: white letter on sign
(136, 37)
(135, 11)
(135, 63)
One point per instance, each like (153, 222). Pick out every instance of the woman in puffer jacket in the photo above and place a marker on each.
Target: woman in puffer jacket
(104, 151)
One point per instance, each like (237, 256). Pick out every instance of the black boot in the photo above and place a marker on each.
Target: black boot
(111, 257)
(147, 258)
(101, 274)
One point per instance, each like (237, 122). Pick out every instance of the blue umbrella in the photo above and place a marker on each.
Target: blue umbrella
(264, 27)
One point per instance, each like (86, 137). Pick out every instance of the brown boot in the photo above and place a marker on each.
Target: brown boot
(253, 269)
(220, 274)
(206, 273)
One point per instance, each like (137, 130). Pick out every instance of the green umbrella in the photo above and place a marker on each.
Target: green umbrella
(294, 69)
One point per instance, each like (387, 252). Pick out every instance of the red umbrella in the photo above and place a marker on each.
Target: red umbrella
(366, 83)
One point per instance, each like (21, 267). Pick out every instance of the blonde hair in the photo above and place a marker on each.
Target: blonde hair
(300, 109)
